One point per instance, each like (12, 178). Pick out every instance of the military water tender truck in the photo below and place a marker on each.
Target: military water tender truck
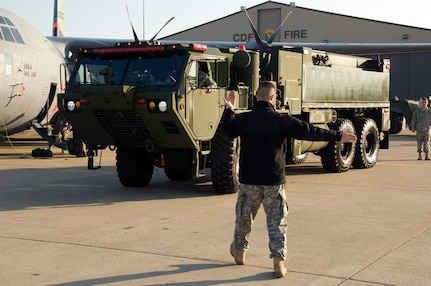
(145, 100)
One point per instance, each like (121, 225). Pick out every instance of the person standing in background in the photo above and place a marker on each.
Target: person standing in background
(421, 122)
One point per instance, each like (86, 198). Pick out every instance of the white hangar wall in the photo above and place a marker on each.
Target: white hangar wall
(410, 72)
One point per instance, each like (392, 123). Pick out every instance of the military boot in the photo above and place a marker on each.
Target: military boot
(279, 269)
(426, 156)
(238, 255)
(420, 156)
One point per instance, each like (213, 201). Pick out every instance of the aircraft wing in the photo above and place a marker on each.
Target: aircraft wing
(366, 48)
(67, 45)
(73, 45)
(344, 48)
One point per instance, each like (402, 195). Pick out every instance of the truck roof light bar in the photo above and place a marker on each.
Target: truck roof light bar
(121, 50)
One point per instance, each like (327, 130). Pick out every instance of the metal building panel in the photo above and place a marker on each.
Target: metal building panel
(303, 25)
(268, 22)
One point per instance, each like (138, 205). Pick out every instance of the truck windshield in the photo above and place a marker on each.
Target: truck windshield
(139, 70)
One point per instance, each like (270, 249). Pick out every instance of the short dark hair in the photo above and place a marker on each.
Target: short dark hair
(267, 84)
(265, 89)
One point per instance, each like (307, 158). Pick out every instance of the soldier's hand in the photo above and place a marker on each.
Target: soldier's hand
(230, 100)
(348, 137)
(204, 90)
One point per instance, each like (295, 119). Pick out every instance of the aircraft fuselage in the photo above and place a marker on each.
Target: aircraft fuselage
(30, 69)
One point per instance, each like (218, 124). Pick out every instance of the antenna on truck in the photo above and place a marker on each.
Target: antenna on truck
(154, 37)
(134, 32)
(133, 29)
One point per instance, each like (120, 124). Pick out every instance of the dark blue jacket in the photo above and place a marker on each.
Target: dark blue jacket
(263, 133)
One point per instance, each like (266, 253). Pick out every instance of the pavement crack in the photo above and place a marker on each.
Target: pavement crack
(350, 278)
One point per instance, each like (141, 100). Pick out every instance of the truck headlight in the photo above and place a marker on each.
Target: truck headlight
(71, 105)
(157, 106)
(163, 106)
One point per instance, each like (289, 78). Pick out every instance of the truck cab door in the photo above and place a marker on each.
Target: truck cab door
(204, 104)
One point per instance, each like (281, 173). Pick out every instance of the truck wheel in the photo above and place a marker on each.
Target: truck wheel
(367, 146)
(178, 164)
(134, 166)
(224, 163)
(337, 157)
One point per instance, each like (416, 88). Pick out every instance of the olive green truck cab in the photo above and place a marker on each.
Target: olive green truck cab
(148, 102)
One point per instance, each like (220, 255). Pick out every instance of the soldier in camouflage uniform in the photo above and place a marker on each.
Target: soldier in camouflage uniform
(264, 134)
(420, 124)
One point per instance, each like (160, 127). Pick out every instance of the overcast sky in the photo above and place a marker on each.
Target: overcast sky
(108, 19)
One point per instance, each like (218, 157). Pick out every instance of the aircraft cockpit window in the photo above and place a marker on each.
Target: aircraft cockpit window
(7, 34)
(10, 33)
(17, 35)
(8, 22)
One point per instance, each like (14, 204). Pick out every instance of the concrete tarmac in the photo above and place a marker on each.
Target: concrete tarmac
(62, 224)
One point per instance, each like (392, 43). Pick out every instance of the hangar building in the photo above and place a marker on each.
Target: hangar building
(410, 70)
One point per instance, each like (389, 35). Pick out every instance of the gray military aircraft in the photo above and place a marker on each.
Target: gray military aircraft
(30, 74)
(33, 69)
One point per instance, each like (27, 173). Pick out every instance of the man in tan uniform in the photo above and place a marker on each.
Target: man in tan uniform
(420, 124)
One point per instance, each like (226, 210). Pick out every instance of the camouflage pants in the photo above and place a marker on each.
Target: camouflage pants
(422, 139)
(273, 198)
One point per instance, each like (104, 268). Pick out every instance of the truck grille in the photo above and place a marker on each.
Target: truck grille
(125, 126)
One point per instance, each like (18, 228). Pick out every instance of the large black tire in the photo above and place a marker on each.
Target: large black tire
(179, 164)
(134, 166)
(224, 163)
(338, 157)
(367, 146)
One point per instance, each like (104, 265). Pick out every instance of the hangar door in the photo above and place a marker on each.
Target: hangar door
(268, 22)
